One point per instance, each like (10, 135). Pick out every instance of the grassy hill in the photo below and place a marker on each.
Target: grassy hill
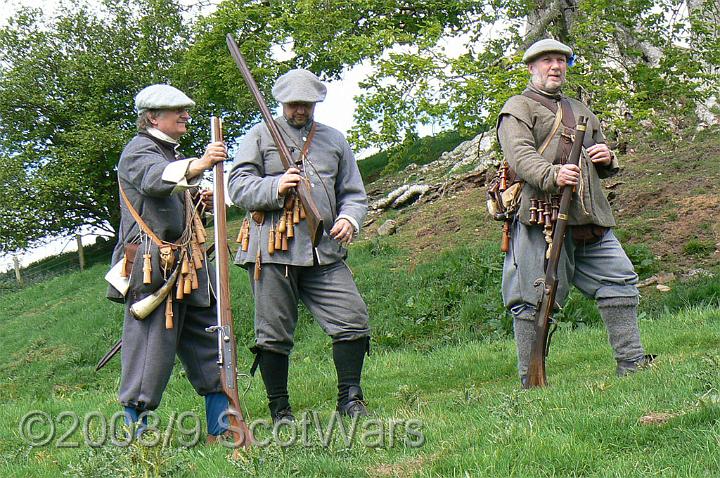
(441, 355)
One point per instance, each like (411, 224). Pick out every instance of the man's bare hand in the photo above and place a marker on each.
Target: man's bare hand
(342, 231)
(569, 175)
(214, 153)
(600, 154)
(289, 180)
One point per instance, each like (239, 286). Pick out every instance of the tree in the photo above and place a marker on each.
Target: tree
(634, 65)
(66, 110)
(67, 83)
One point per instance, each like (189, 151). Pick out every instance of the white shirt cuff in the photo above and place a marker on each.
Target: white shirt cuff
(351, 220)
(175, 173)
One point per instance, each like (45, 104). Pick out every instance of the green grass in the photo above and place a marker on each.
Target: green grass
(441, 355)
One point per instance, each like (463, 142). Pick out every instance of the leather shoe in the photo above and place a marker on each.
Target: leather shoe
(355, 405)
(284, 415)
(626, 367)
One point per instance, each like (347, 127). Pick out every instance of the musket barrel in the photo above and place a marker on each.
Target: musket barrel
(313, 217)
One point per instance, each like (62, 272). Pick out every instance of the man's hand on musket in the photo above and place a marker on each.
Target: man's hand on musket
(206, 197)
(342, 231)
(600, 154)
(214, 153)
(289, 180)
(568, 175)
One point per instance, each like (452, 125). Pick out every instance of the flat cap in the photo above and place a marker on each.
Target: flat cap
(299, 85)
(161, 97)
(547, 45)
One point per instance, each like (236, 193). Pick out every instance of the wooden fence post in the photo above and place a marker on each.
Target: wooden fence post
(81, 252)
(18, 276)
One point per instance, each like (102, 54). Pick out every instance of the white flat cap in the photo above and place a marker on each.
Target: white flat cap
(161, 97)
(547, 45)
(299, 85)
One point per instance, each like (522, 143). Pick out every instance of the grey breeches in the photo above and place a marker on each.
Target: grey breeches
(149, 349)
(329, 292)
(600, 271)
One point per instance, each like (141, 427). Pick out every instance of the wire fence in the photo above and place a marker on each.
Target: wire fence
(66, 262)
(57, 265)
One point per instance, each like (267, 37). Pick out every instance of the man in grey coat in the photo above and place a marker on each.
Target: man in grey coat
(317, 276)
(533, 131)
(154, 179)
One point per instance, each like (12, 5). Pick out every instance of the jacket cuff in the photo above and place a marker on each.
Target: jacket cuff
(553, 187)
(275, 186)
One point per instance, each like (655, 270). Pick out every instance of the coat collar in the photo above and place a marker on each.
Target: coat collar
(168, 145)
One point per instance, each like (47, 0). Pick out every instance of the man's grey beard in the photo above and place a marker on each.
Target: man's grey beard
(535, 80)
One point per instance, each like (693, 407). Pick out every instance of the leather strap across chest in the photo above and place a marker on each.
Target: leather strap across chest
(142, 224)
(308, 141)
(568, 121)
(568, 118)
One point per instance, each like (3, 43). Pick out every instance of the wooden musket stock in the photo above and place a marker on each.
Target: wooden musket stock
(313, 218)
(536, 376)
(227, 353)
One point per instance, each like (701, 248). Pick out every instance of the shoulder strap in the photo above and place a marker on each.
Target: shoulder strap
(563, 114)
(555, 126)
(143, 226)
(568, 118)
(308, 141)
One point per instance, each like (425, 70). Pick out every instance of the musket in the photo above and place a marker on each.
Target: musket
(313, 217)
(536, 376)
(227, 352)
(111, 353)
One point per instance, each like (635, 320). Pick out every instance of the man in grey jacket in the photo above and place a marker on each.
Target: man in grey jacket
(318, 276)
(534, 130)
(154, 179)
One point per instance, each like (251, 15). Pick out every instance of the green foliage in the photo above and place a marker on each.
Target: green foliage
(642, 258)
(475, 419)
(417, 79)
(66, 90)
(371, 168)
(421, 151)
(424, 150)
(579, 311)
(703, 291)
(67, 83)
(658, 82)
(453, 297)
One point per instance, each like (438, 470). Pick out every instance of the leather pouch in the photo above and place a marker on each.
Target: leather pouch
(130, 253)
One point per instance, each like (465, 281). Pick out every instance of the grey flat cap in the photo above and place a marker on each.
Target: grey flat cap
(547, 45)
(299, 85)
(161, 97)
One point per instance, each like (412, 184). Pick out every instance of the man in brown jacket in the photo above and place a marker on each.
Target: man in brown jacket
(533, 130)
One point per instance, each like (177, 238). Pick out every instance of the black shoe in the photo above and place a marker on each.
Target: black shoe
(284, 415)
(626, 367)
(355, 405)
